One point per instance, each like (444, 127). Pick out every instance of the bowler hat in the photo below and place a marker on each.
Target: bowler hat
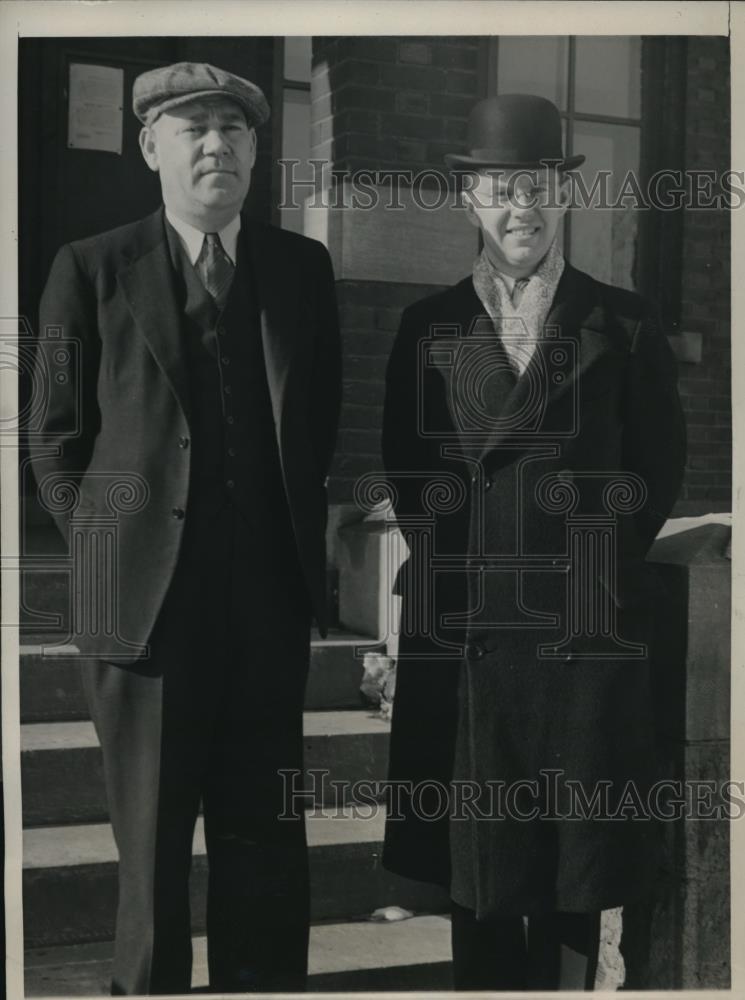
(514, 131)
(167, 87)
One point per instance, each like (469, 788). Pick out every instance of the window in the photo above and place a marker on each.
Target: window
(596, 83)
(296, 66)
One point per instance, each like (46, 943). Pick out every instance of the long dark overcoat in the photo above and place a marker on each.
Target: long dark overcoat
(116, 405)
(528, 505)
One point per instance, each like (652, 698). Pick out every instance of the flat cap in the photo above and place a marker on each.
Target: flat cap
(161, 89)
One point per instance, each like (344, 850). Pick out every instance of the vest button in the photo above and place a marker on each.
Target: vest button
(183, 442)
(225, 360)
(227, 390)
(231, 452)
(178, 513)
(230, 484)
(221, 331)
(230, 420)
(487, 484)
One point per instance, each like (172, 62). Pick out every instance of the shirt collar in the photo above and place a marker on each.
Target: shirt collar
(547, 272)
(193, 239)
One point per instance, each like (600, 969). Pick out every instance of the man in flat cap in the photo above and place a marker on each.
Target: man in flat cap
(536, 443)
(210, 391)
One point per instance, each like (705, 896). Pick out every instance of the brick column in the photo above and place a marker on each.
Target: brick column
(680, 937)
(388, 104)
(705, 305)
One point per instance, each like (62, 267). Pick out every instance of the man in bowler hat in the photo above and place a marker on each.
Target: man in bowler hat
(535, 442)
(210, 373)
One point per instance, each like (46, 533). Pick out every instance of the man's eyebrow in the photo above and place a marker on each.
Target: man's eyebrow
(505, 185)
(227, 114)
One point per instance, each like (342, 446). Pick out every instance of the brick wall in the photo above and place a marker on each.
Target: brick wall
(369, 313)
(705, 305)
(382, 103)
(377, 104)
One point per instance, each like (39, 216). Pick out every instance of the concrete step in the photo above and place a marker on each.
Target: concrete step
(69, 877)
(51, 689)
(362, 955)
(45, 581)
(62, 767)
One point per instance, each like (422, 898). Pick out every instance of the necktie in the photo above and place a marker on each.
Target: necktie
(215, 269)
(517, 290)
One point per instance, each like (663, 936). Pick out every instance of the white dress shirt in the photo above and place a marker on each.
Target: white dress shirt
(193, 239)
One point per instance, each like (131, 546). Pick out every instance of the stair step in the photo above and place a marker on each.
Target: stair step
(44, 599)
(69, 877)
(62, 765)
(93, 843)
(45, 584)
(361, 955)
(51, 688)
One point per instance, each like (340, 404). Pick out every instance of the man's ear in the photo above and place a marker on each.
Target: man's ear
(564, 193)
(149, 147)
(252, 139)
(466, 199)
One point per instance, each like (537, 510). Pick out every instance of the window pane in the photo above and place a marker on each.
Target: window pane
(297, 58)
(608, 76)
(296, 146)
(532, 64)
(603, 240)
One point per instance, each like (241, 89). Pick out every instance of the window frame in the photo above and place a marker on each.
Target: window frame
(658, 265)
(280, 84)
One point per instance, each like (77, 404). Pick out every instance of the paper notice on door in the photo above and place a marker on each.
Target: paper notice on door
(96, 107)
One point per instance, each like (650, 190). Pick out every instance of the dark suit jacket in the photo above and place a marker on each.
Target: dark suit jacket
(598, 402)
(113, 294)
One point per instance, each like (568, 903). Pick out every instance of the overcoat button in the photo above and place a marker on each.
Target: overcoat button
(183, 442)
(475, 651)
(178, 513)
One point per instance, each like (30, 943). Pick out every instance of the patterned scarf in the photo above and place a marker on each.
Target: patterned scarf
(518, 320)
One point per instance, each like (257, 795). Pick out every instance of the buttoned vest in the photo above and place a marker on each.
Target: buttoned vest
(235, 457)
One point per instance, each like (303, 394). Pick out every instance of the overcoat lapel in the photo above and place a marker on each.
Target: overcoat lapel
(548, 392)
(554, 370)
(147, 281)
(575, 328)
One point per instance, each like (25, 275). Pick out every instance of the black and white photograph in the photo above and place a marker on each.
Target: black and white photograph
(367, 469)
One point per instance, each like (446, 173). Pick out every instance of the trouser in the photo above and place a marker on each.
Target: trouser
(214, 714)
(548, 952)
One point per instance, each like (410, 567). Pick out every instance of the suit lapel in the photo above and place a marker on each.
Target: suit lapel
(147, 281)
(279, 312)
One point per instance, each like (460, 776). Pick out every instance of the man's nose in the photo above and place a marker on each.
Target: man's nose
(214, 142)
(523, 200)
